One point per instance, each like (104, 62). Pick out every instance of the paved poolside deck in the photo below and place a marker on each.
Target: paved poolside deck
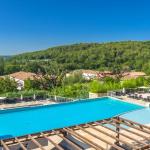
(46, 102)
(134, 101)
(25, 104)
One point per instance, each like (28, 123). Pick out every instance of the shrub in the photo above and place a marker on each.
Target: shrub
(73, 91)
(129, 83)
(98, 87)
(140, 81)
(109, 80)
(7, 85)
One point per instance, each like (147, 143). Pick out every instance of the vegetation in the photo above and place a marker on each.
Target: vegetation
(134, 83)
(110, 84)
(129, 83)
(30, 93)
(7, 85)
(74, 78)
(97, 87)
(103, 87)
(45, 82)
(77, 90)
(54, 62)
(1, 65)
(69, 87)
(115, 56)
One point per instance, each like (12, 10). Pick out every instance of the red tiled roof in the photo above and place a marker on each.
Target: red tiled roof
(23, 75)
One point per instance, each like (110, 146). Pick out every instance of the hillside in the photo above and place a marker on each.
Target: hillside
(5, 57)
(129, 55)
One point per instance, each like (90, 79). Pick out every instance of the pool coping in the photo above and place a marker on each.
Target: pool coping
(119, 99)
(74, 101)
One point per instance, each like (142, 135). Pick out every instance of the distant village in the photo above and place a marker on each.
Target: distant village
(21, 77)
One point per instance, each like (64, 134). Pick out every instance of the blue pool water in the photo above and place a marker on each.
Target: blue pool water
(22, 121)
(142, 116)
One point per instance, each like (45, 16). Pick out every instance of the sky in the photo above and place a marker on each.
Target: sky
(29, 25)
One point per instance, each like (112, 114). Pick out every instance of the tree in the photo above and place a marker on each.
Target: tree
(34, 67)
(28, 84)
(1, 66)
(114, 56)
(44, 82)
(7, 85)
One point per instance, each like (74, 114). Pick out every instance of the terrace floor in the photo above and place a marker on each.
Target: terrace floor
(134, 101)
(24, 104)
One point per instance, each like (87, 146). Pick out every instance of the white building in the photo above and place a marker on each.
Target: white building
(91, 74)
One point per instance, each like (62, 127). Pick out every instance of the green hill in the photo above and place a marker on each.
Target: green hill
(129, 55)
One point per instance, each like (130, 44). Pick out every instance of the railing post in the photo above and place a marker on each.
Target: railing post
(34, 97)
(55, 98)
(21, 97)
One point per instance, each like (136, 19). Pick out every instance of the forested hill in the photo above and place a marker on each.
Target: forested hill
(5, 57)
(130, 55)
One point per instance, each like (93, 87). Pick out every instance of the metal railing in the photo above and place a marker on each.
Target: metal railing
(60, 99)
(35, 98)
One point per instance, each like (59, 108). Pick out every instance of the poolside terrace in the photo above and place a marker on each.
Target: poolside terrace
(7, 103)
(115, 133)
(139, 95)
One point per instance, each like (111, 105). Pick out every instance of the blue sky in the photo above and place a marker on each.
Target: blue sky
(28, 25)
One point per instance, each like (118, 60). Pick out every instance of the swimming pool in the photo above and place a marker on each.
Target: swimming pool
(142, 116)
(22, 121)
